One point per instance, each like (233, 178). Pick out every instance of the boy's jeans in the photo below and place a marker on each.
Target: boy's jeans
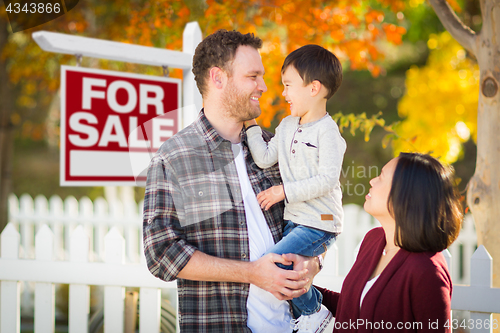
(309, 242)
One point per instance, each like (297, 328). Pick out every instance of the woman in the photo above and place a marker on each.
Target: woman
(400, 281)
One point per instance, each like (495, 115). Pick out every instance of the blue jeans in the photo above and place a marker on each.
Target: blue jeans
(309, 242)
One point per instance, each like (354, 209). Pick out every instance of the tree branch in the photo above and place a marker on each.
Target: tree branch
(462, 33)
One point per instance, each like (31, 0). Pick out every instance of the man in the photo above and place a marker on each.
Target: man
(202, 223)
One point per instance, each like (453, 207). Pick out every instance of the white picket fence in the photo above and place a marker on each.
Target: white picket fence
(28, 215)
(114, 274)
(100, 244)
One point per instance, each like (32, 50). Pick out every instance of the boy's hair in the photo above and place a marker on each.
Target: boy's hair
(314, 62)
(218, 50)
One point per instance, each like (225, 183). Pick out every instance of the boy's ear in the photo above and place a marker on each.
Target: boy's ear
(217, 77)
(316, 88)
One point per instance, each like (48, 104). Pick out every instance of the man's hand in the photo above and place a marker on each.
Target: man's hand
(301, 263)
(271, 196)
(283, 284)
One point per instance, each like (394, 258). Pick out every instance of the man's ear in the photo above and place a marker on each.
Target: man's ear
(316, 88)
(217, 77)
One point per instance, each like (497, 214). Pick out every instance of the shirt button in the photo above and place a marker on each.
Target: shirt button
(200, 193)
(243, 255)
(150, 221)
(294, 141)
(242, 223)
(293, 151)
(300, 130)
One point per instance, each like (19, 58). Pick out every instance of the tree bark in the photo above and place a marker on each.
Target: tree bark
(483, 195)
(6, 130)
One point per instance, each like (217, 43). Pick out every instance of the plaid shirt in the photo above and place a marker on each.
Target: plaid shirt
(193, 202)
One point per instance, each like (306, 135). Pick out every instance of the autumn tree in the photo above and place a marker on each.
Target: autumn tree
(483, 195)
(29, 77)
(6, 127)
(447, 88)
(352, 29)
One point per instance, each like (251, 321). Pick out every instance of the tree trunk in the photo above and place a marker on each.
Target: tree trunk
(6, 130)
(483, 196)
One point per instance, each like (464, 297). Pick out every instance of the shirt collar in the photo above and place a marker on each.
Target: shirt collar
(212, 138)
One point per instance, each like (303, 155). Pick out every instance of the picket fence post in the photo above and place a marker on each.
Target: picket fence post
(13, 209)
(131, 233)
(101, 213)
(10, 291)
(142, 257)
(26, 226)
(56, 211)
(114, 296)
(149, 310)
(70, 214)
(481, 270)
(79, 295)
(449, 260)
(44, 291)
(41, 211)
(86, 213)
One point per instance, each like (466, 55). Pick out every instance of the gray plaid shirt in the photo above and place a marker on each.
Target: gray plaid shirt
(193, 202)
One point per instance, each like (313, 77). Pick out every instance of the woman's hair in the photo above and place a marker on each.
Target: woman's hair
(425, 204)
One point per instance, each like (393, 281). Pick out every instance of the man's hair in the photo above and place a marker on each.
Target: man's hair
(314, 62)
(218, 50)
(425, 204)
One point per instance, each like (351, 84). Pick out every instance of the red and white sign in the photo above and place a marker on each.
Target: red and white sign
(112, 123)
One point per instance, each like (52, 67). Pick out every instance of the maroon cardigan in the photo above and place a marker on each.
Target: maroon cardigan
(413, 291)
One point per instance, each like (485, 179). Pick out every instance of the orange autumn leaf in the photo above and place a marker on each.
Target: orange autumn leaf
(394, 33)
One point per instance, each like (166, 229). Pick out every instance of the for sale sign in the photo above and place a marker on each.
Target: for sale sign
(112, 123)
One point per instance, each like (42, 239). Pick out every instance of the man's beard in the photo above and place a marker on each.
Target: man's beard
(238, 105)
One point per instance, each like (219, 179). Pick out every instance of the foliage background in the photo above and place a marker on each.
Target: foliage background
(396, 61)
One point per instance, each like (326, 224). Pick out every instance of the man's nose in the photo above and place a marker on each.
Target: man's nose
(261, 85)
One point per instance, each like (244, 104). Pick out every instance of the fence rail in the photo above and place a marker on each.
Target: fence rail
(84, 243)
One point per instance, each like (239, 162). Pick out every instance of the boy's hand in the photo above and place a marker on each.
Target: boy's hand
(249, 123)
(271, 196)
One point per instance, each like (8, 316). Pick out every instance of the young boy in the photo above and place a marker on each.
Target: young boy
(309, 149)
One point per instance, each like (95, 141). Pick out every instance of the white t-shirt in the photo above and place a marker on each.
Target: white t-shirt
(367, 288)
(265, 312)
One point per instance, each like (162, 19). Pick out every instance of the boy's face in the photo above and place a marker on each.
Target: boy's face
(295, 93)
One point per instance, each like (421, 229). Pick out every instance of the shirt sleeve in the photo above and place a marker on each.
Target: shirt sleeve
(331, 147)
(264, 154)
(431, 300)
(165, 246)
(330, 299)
